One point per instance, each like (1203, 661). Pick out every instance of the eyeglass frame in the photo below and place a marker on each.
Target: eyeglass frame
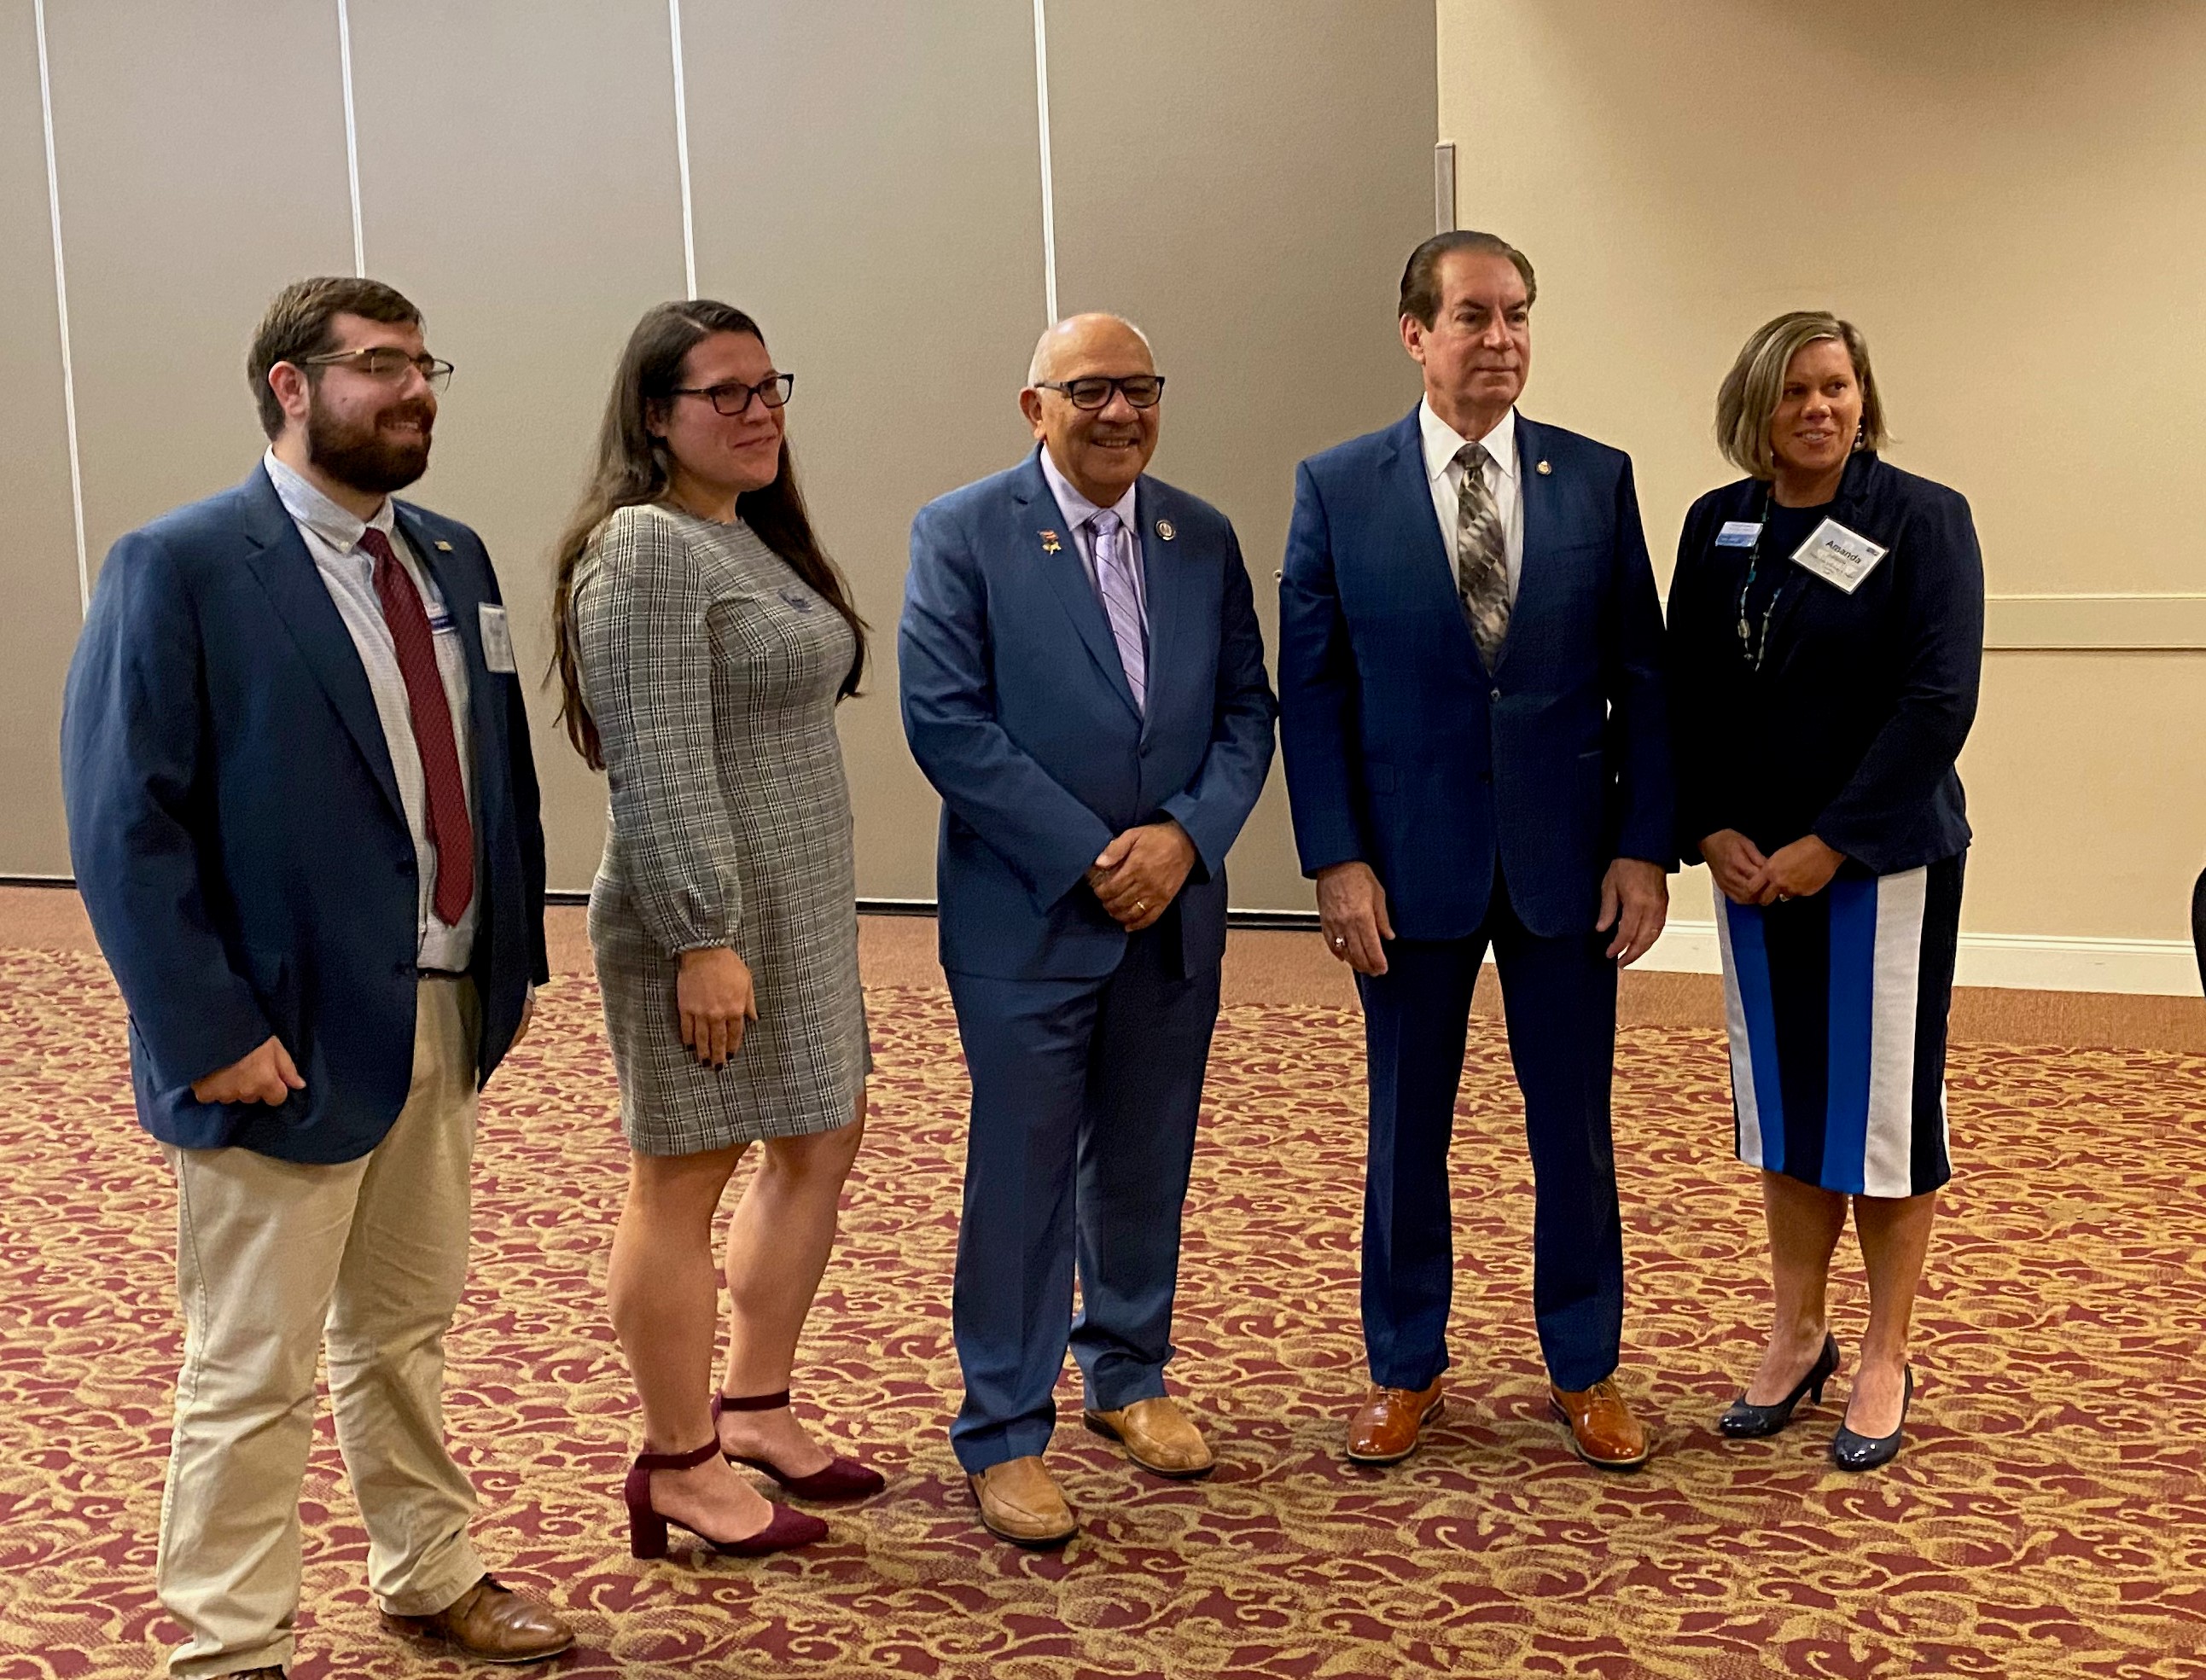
(786, 381)
(437, 374)
(1116, 387)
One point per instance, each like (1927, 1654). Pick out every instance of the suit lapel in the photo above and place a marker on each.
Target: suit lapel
(1539, 504)
(467, 619)
(1043, 527)
(1430, 583)
(1163, 579)
(278, 556)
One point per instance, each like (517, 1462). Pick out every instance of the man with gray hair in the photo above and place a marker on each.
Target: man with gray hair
(1083, 683)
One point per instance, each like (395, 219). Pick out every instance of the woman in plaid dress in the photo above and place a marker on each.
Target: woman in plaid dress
(703, 640)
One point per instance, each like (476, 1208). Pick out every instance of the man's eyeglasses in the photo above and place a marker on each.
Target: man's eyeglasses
(387, 365)
(735, 398)
(1141, 390)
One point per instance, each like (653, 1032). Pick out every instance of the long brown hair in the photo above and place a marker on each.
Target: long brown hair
(632, 470)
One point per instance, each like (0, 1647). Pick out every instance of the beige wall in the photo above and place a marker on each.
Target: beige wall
(38, 592)
(2011, 202)
(1244, 176)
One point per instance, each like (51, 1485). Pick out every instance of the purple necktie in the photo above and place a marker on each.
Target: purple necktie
(1114, 580)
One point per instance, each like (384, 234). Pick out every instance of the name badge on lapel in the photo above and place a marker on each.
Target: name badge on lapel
(497, 638)
(1838, 556)
(1738, 533)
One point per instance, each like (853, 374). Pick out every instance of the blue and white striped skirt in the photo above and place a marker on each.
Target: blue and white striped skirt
(1836, 1006)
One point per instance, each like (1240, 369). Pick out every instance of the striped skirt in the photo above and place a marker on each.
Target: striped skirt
(1836, 1007)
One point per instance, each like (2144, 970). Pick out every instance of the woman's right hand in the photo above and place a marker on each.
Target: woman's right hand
(1738, 865)
(713, 995)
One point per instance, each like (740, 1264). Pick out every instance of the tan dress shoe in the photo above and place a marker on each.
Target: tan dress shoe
(1157, 1436)
(493, 1624)
(1020, 1502)
(1388, 1425)
(1601, 1425)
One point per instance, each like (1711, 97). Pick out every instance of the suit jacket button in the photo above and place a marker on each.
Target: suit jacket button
(1496, 695)
(404, 969)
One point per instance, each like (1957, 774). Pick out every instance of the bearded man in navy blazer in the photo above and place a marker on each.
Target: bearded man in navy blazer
(1478, 757)
(1083, 683)
(303, 816)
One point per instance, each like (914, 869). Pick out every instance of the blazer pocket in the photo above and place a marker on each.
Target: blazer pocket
(274, 982)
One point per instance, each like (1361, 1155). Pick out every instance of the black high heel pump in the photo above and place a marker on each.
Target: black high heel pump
(1742, 1420)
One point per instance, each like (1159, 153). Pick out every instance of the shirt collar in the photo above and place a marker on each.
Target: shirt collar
(1077, 508)
(341, 529)
(1443, 440)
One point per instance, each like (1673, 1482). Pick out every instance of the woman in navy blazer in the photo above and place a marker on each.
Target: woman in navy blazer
(1826, 636)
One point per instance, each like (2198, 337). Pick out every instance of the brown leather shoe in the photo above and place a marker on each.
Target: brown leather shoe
(1602, 1428)
(1157, 1436)
(1387, 1426)
(493, 1624)
(1020, 1502)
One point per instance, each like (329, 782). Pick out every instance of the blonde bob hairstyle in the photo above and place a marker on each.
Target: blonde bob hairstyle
(1755, 384)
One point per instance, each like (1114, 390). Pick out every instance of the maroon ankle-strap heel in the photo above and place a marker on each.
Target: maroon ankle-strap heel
(842, 1479)
(647, 1528)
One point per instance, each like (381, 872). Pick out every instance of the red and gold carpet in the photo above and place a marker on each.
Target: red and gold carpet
(2048, 1518)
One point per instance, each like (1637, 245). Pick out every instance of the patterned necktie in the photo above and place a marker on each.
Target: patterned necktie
(1482, 556)
(416, 647)
(1114, 578)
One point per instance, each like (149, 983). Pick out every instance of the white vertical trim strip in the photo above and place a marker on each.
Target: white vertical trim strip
(1048, 192)
(682, 150)
(1896, 961)
(1745, 1107)
(352, 141)
(61, 312)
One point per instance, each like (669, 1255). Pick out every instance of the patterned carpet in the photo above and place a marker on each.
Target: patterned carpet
(2048, 1517)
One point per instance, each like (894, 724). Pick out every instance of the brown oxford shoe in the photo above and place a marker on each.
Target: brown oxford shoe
(1601, 1425)
(1020, 1502)
(1388, 1425)
(1157, 1436)
(493, 1624)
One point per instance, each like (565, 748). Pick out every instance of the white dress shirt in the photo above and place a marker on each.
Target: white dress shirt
(1441, 442)
(348, 570)
(1078, 510)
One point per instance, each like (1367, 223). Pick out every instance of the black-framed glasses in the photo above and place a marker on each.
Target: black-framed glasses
(1140, 390)
(386, 363)
(734, 398)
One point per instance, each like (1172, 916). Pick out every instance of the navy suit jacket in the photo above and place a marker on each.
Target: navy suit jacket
(237, 834)
(1403, 751)
(1017, 710)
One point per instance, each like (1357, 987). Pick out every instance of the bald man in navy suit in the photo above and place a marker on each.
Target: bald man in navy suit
(1083, 682)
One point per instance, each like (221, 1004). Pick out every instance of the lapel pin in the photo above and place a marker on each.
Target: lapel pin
(1164, 529)
(444, 547)
(1543, 469)
(1050, 543)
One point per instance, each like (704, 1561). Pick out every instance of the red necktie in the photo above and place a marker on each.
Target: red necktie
(449, 828)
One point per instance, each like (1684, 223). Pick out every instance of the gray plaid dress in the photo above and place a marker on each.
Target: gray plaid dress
(711, 669)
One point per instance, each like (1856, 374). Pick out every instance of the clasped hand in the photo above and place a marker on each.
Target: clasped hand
(714, 995)
(1139, 874)
(1744, 876)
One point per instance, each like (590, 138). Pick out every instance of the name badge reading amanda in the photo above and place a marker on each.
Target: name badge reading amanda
(1838, 556)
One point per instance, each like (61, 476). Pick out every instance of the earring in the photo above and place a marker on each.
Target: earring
(1861, 434)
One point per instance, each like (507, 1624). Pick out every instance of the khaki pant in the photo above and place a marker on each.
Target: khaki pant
(274, 1260)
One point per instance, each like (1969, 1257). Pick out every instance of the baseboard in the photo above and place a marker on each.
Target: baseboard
(2017, 961)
